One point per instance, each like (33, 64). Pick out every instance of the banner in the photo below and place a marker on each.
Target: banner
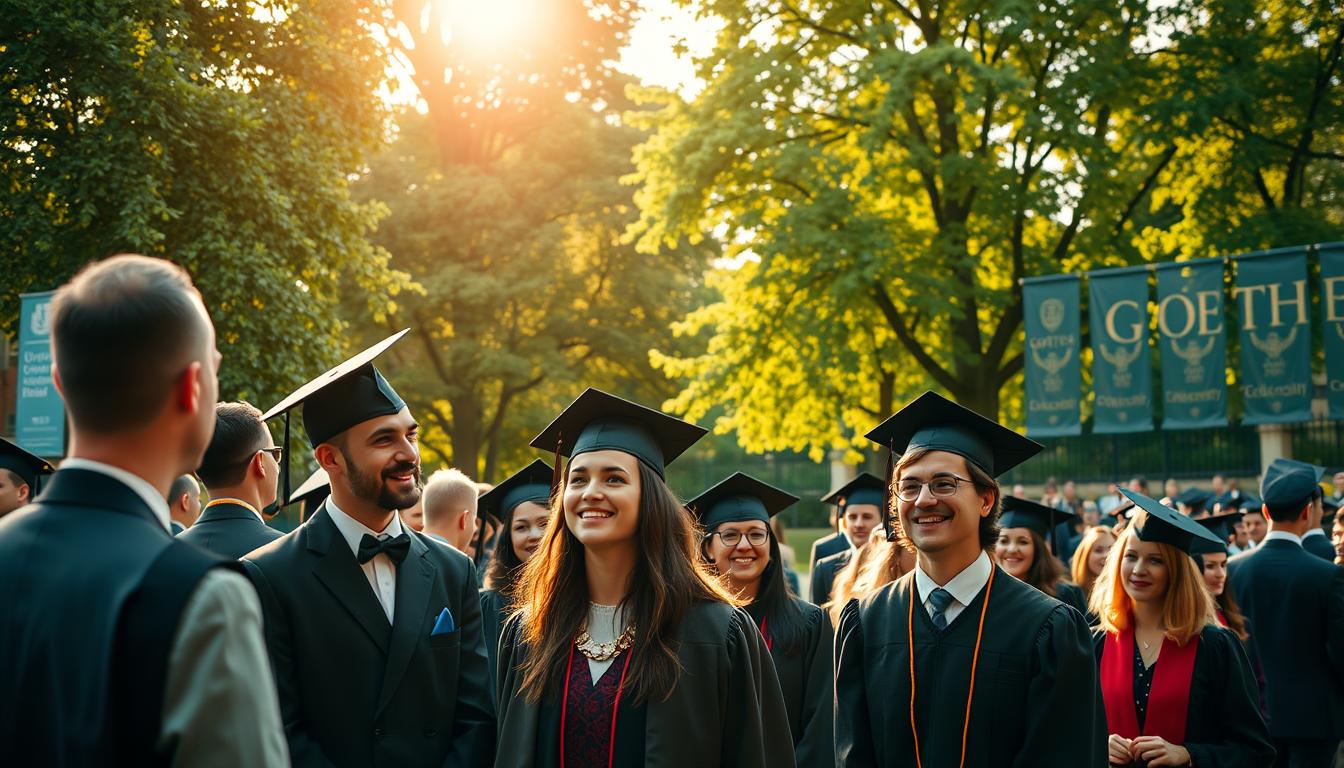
(1332, 325)
(1193, 350)
(39, 422)
(1053, 374)
(1122, 367)
(1275, 323)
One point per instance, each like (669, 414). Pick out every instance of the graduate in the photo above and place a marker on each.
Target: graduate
(1178, 688)
(1001, 674)
(739, 543)
(1090, 557)
(1021, 550)
(1213, 566)
(374, 630)
(626, 651)
(522, 505)
(859, 504)
(19, 473)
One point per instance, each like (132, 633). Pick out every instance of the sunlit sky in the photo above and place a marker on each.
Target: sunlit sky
(650, 55)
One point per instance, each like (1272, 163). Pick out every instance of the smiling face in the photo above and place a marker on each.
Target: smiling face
(943, 525)
(380, 460)
(1096, 559)
(1215, 572)
(860, 520)
(1015, 551)
(744, 562)
(1143, 571)
(527, 528)
(601, 498)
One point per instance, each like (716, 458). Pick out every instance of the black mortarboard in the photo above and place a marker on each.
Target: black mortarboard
(597, 421)
(531, 483)
(936, 423)
(1166, 525)
(317, 484)
(738, 498)
(867, 488)
(24, 464)
(1220, 525)
(1288, 485)
(1245, 503)
(1193, 498)
(1020, 513)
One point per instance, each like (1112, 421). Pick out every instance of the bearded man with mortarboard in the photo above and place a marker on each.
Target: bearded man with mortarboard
(374, 630)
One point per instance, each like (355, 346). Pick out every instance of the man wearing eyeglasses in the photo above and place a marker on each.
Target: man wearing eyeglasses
(239, 470)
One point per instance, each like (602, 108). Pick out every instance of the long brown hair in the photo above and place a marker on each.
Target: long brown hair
(1227, 604)
(1081, 576)
(1046, 571)
(669, 578)
(1187, 606)
(877, 563)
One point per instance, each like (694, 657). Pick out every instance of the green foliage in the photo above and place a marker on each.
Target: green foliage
(886, 173)
(217, 135)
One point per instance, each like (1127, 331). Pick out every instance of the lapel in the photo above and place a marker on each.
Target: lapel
(86, 488)
(338, 570)
(411, 619)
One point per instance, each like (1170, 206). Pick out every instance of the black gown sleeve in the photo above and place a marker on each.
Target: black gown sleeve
(1066, 720)
(815, 747)
(1334, 624)
(756, 716)
(1230, 709)
(854, 745)
(1071, 595)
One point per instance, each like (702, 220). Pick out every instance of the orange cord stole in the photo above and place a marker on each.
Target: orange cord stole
(975, 660)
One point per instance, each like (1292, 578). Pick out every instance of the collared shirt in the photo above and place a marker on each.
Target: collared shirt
(963, 587)
(152, 498)
(1313, 532)
(239, 502)
(1283, 536)
(380, 571)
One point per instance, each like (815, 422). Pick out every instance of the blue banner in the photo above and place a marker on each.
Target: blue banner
(40, 415)
(1194, 350)
(1053, 373)
(1332, 325)
(1275, 324)
(1122, 366)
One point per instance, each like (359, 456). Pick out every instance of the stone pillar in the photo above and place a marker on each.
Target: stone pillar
(841, 472)
(1276, 442)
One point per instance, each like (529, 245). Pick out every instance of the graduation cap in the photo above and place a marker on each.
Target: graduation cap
(932, 421)
(1020, 513)
(867, 488)
(1167, 526)
(1193, 498)
(531, 483)
(597, 421)
(1220, 525)
(1288, 485)
(349, 394)
(24, 464)
(315, 489)
(738, 498)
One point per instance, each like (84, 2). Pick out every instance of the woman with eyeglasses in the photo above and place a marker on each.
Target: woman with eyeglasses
(1178, 688)
(625, 649)
(740, 544)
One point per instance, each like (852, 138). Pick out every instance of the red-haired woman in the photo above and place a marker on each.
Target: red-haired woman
(1178, 688)
(626, 650)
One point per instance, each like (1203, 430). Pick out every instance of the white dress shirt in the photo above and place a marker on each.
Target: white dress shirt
(963, 587)
(380, 571)
(140, 485)
(1283, 536)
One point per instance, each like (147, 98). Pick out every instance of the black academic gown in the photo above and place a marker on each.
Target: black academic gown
(1294, 604)
(1071, 595)
(725, 712)
(833, 544)
(494, 610)
(823, 575)
(229, 530)
(1037, 702)
(806, 677)
(1320, 546)
(356, 691)
(1223, 726)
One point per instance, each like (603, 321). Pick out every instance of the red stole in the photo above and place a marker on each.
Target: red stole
(1169, 699)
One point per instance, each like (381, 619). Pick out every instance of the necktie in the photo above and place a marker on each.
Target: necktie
(939, 599)
(395, 548)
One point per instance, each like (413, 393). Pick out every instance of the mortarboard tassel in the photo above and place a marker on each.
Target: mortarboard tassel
(555, 469)
(887, 515)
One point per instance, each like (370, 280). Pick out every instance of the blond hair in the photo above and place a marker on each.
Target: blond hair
(1078, 566)
(877, 563)
(448, 493)
(1187, 606)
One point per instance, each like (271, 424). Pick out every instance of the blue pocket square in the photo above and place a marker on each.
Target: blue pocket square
(444, 624)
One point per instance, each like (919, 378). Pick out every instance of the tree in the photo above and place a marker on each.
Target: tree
(217, 135)
(886, 174)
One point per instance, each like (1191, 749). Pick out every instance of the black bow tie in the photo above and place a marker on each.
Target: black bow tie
(394, 547)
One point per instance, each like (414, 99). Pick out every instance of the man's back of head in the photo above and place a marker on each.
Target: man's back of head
(134, 358)
(450, 507)
(237, 463)
(184, 500)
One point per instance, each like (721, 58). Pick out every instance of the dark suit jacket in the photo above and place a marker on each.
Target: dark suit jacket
(229, 530)
(1294, 602)
(1321, 547)
(823, 575)
(829, 545)
(356, 691)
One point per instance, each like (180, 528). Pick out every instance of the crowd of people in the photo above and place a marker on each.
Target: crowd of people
(580, 613)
